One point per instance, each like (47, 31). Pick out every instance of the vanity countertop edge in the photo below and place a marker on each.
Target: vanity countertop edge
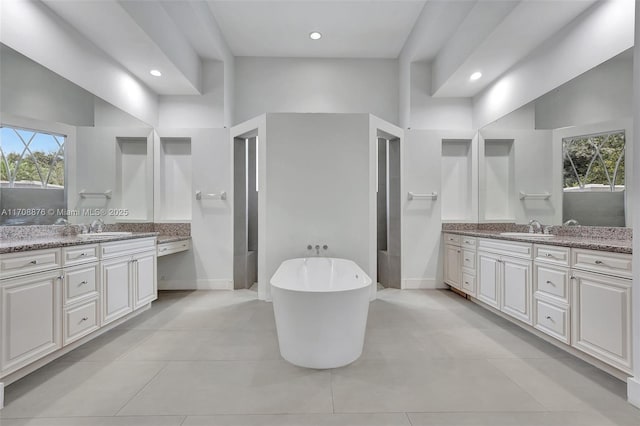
(590, 243)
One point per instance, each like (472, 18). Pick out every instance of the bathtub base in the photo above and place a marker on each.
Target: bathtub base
(321, 330)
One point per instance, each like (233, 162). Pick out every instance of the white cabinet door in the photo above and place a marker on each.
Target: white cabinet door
(117, 297)
(452, 265)
(489, 279)
(31, 310)
(516, 289)
(146, 288)
(601, 317)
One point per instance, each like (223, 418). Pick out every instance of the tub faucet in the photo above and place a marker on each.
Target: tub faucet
(571, 222)
(534, 226)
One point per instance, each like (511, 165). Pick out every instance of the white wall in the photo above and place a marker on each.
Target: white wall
(534, 171)
(316, 85)
(428, 112)
(318, 188)
(209, 264)
(197, 111)
(60, 48)
(28, 89)
(601, 94)
(588, 41)
(633, 388)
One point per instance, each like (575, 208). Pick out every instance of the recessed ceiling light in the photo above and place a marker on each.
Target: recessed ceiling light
(155, 73)
(315, 35)
(475, 76)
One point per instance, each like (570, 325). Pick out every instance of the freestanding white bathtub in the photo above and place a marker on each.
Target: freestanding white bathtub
(321, 306)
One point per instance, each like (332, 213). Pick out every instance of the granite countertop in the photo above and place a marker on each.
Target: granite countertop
(591, 243)
(13, 245)
(172, 238)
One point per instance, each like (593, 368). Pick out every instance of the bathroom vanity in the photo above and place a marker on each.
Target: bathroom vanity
(57, 293)
(573, 291)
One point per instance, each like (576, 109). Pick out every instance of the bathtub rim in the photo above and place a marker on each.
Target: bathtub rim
(368, 280)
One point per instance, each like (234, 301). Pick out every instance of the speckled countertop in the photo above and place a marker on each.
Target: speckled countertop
(584, 242)
(12, 245)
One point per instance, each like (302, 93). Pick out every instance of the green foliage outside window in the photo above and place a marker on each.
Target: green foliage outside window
(594, 160)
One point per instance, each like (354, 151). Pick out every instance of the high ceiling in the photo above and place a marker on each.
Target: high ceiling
(457, 36)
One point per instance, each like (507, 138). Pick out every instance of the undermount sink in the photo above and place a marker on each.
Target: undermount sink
(102, 235)
(525, 234)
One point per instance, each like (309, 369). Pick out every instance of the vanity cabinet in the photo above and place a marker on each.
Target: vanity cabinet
(601, 304)
(128, 277)
(504, 277)
(31, 307)
(505, 283)
(460, 263)
(580, 297)
(52, 298)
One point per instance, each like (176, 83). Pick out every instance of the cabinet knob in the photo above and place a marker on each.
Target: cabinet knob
(598, 262)
(83, 254)
(61, 277)
(549, 255)
(458, 251)
(549, 318)
(34, 262)
(83, 283)
(551, 283)
(84, 319)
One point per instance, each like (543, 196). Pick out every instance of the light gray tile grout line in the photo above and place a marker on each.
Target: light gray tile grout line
(408, 418)
(533, 397)
(333, 403)
(141, 389)
(183, 420)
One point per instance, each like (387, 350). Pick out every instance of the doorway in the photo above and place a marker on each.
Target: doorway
(389, 213)
(245, 212)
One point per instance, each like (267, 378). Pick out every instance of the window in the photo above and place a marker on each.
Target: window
(31, 159)
(594, 162)
(32, 176)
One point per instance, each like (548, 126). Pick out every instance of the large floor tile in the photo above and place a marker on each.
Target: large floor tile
(192, 345)
(569, 381)
(436, 385)
(394, 419)
(226, 387)
(108, 347)
(77, 389)
(576, 418)
(98, 421)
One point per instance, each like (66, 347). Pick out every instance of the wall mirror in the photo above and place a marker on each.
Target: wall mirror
(561, 158)
(67, 154)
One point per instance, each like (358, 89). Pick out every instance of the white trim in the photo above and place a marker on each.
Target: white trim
(633, 391)
(1, 395)
(200, 284)
(422, 284)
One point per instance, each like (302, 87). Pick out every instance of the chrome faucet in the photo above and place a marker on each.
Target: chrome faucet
(534, 227)
(571, 222)
(64, 222)
(96, 225)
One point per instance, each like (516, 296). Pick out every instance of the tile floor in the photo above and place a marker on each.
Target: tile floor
(211, 359)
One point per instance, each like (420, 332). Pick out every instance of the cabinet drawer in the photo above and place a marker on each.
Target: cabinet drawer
(552, 320)
(80, 320)
(551, 281)
(551, 254)
(469, 243)
(28, 262)
(79, 254)
(452, 239)
(618, 264)
(469, 259)
(508, 248)
(123, 248)
(173, 247)
(80, 282)
(469, 284)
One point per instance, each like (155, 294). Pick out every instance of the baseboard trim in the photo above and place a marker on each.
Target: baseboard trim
(633, 391)
(195, 285)
(421, 284)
